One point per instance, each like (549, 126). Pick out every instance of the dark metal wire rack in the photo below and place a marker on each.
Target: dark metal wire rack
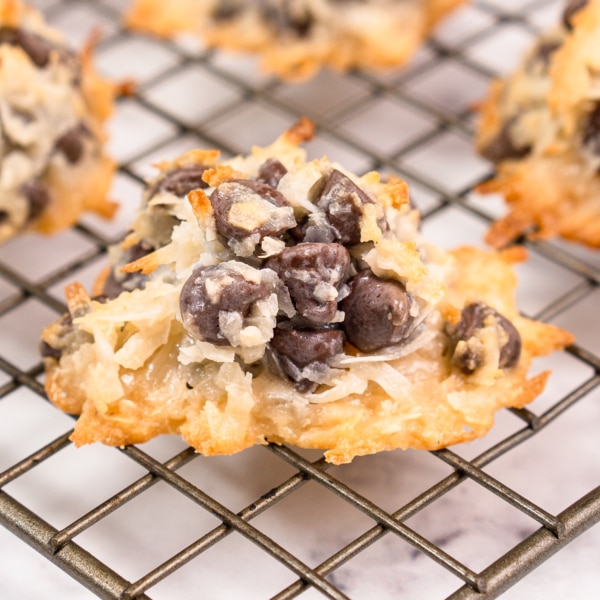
(61, 544)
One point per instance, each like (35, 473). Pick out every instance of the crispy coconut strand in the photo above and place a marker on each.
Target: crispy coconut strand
(53, 106)
(296, 39)
(430, 372)
(541, 128)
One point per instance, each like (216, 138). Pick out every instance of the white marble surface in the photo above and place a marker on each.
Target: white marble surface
(385, 115)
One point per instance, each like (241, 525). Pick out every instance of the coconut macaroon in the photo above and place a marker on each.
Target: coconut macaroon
(52, 107)
(296, 38)
(273, 299)
(541, 128)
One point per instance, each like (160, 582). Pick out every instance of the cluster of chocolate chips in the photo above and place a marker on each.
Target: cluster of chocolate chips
(506, 144)
(41, 50)
(315, 267)
(337, 300)
(287, 17)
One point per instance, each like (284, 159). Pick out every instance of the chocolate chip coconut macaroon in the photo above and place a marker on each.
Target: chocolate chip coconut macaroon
(541, 128)
(273, 299)
(52, 107)
(295, 38)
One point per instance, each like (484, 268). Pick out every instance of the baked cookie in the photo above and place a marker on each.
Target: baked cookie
(52, 107)
(541, 128)
(268, 298)
(295, 38)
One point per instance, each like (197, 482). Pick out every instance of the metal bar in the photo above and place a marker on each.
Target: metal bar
(71, 558)
(419, 502)
(561, 406)
(128, 493)
(35, 459)
(534, 550)
(381, 516)
(216, 534)
(231, 519)
(492, 484)
(24, 377)
(31, 289)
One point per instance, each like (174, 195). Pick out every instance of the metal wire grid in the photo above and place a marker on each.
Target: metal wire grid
(61, 545)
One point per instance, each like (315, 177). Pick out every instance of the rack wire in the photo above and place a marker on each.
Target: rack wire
(380, 515)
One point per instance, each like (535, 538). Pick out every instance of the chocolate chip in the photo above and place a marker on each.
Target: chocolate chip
(503, 146)
(306, 346)
(226, 10)
(342, 200)
(3, 216)
(296, 349)
(591, 131)
(37, 196)
(180, 181)
(289, 17)
(313, 273)
(473, 317)
(36, 47)
(117, 282)
(71, 143)
(271, 172)
(243, 207)
(311, 232)
(377, 312)
(47, 351)
(543, 53)
(573, 7)
(112, 288)
(212, 290)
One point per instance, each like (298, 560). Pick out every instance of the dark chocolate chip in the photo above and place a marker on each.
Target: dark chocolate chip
(271, 172)
(229, 193)
(36, 47)
(3, 216)
(503, 147)
(473, 317)
(210, 291)
(342, 200)
(47, 351)
(574, 6)
(296, 349)
(591, 131)
(322, 233)
(377, 312)
(71, 143)
(289, 17)
(112, 288)
(37, 196)
(181, 181)
(227, 9)
(311, 272)
(117, 282)
(306, 346)
(543, 53)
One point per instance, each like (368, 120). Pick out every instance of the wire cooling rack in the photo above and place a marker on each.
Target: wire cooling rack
(159, 521)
